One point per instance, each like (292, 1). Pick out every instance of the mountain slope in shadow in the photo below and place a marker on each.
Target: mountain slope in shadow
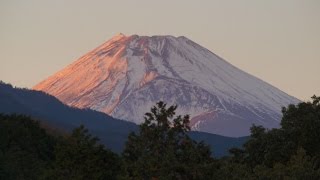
(112, 132)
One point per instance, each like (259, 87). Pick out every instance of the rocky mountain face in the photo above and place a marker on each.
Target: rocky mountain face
(127, 75)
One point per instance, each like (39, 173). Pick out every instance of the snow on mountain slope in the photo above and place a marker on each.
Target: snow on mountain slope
(126, 75)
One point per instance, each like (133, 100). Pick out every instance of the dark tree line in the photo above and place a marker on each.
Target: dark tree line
(161, 149)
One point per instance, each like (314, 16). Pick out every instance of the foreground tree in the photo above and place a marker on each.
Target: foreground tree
(292, 151)
(301, 124)
(300, 166)
(79, 156)
(163, 150)
(26, 150)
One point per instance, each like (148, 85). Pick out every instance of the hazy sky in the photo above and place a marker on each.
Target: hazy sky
(275, 40)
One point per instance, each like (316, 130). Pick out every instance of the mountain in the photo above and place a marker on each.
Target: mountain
(112, 132)
(126, 75)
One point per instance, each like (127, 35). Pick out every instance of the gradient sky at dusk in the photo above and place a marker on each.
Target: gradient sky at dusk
(275, 40)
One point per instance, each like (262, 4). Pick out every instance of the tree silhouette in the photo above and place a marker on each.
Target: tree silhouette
(81, 157)
(163, 150)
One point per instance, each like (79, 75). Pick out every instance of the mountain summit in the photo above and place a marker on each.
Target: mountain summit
(126, 75)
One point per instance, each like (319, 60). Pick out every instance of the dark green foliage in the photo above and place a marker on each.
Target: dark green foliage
(299, 129)
(232, 171)
(28, 152)
(25, 149)
(301, 124)
(267, 147)
(163, 150)
(300, 166)
(81, 157)
(290, 152)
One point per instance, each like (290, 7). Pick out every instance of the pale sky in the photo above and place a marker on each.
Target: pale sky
(275, 40)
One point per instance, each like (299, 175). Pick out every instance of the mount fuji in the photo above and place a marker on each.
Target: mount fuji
(127, 75)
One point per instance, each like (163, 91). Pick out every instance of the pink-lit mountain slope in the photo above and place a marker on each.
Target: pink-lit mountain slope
(126, 75)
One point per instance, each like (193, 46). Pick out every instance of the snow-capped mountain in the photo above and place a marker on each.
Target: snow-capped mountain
(127, 75)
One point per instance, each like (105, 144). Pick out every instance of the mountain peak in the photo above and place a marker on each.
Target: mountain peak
(121, 35)
(146, 40)
(127, 75)
(118, 37)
